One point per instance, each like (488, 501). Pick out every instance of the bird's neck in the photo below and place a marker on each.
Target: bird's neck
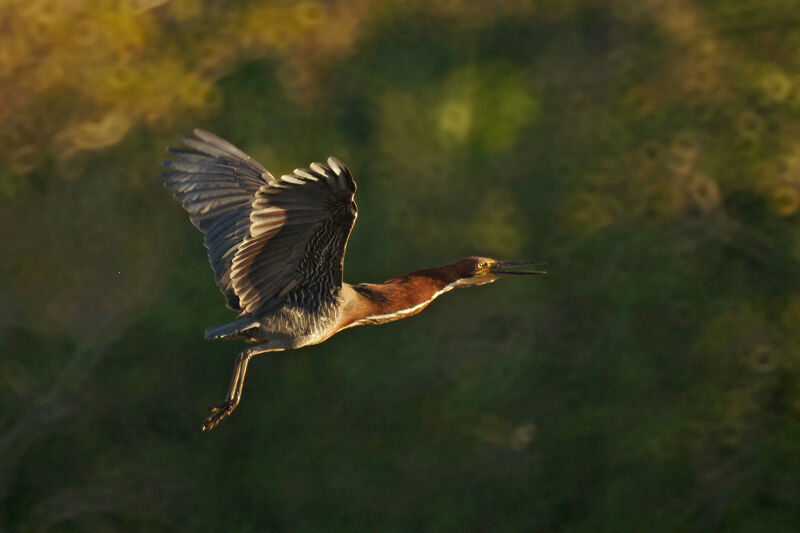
(376, 303)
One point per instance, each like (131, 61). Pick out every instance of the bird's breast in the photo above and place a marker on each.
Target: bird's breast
(303, 324)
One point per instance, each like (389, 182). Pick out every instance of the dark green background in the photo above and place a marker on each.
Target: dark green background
(648, 150)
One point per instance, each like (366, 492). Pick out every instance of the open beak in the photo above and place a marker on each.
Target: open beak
(504, 267)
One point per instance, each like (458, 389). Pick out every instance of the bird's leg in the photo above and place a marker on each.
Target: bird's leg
(237, 382)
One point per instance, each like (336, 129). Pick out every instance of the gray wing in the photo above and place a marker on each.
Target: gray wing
(299, 229)
(217, 184)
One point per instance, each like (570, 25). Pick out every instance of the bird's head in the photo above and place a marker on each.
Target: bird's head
(473, 271)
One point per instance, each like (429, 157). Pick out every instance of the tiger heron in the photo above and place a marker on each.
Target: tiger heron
(277, 250)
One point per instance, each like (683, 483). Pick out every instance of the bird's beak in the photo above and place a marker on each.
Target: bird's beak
(504, 267)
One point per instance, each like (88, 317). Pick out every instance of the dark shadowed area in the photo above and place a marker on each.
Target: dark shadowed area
(648, 150)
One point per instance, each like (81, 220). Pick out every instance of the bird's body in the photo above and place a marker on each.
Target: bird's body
(311, 318)
(277, 250)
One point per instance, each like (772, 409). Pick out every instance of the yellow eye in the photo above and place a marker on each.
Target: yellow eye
(483, 265)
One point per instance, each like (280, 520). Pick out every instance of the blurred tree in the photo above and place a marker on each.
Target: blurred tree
(647, 149)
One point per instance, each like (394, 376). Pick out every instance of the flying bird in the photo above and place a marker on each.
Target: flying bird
(277, 250)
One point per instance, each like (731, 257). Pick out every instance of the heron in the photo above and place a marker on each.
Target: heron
(277, 249)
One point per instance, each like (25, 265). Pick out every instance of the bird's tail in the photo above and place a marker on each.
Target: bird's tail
(231, 329)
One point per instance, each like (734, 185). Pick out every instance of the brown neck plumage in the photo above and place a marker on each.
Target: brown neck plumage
(376, 303)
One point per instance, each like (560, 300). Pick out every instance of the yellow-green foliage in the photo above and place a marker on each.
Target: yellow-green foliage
(648, 150)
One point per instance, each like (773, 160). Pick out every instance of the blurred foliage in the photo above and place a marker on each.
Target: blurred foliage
(648, 150)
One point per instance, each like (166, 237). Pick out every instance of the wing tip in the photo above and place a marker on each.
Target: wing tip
(342, 172)
(336, 165)
(172, 150)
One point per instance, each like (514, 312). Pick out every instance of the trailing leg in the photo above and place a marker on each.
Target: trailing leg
(237, 382)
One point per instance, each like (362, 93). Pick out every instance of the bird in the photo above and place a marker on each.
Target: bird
(277, 249)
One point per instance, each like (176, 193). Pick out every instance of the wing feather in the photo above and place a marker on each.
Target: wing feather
(299, 229)
(266, 239)
(216, 183)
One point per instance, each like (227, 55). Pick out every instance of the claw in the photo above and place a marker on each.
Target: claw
(218, 412)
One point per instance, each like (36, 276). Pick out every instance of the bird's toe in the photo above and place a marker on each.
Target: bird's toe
(218, 412)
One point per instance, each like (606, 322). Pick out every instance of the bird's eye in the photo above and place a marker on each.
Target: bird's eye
(483, 265)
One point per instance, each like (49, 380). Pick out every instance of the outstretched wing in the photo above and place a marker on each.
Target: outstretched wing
(299, 227)
(217, 184)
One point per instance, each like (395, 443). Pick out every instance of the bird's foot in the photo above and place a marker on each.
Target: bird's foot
(219, 412)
